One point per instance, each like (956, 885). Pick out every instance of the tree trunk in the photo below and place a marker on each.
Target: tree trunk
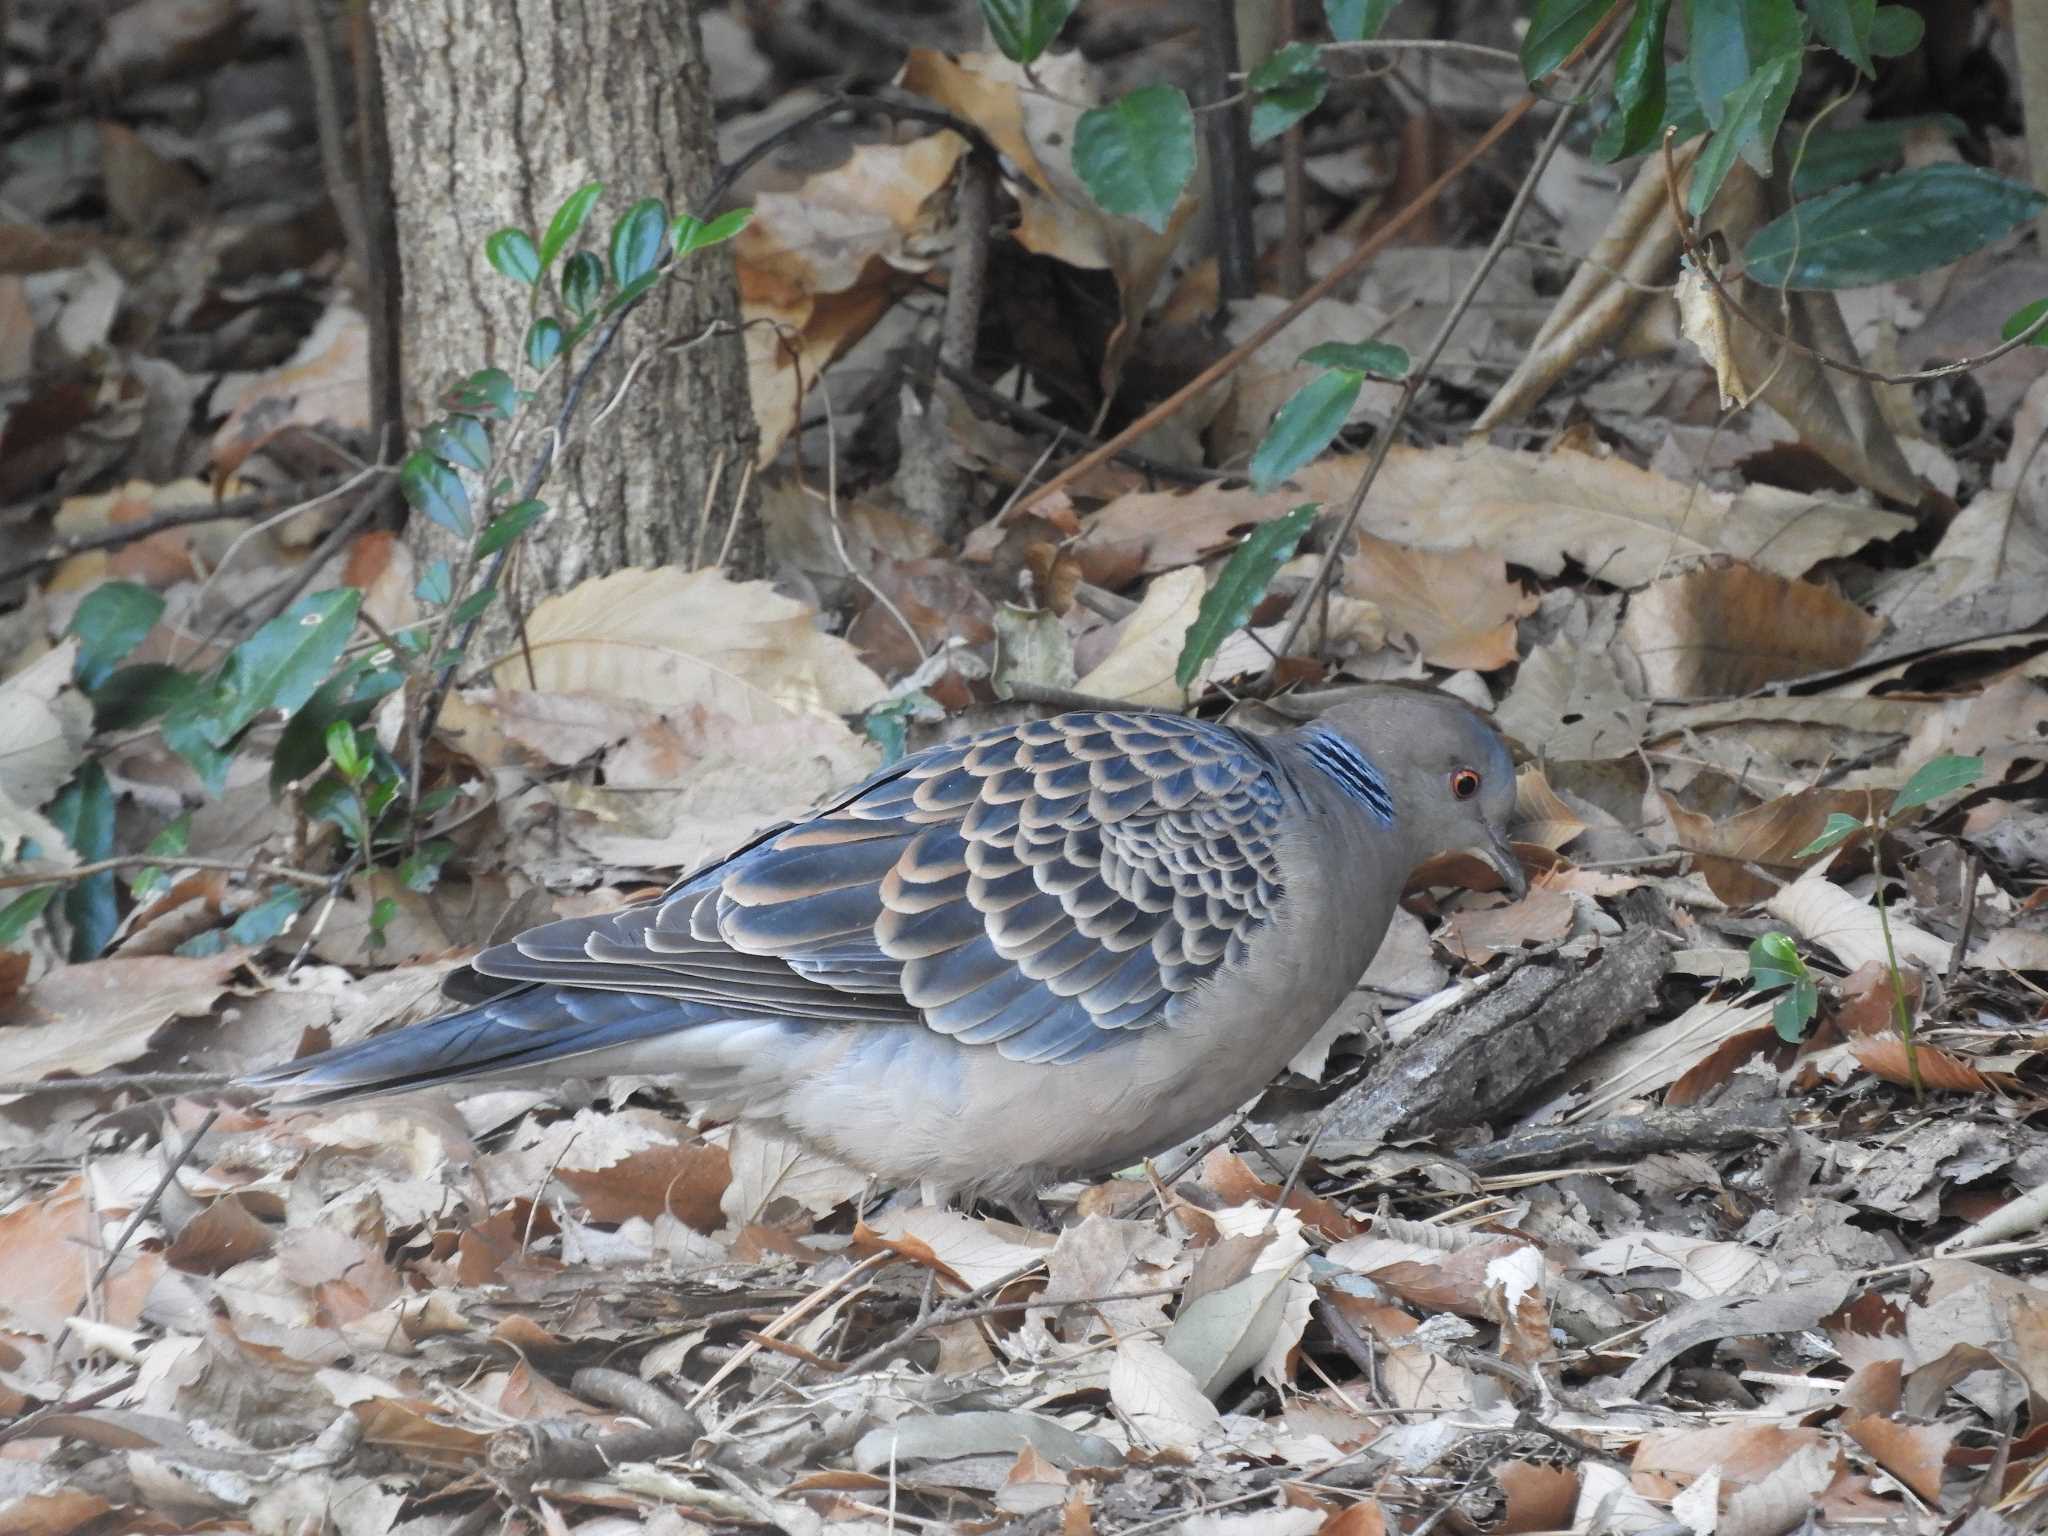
(496, 110)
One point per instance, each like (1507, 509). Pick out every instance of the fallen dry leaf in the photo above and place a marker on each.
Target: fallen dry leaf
(1457, 607)
(85, 1018)
(1729, 628)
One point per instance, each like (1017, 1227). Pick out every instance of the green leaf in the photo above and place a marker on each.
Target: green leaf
(84, 812)
(1137, 154)
(278, 667)
(2024, 319)
(1845, 26)
(1227, 606)
(543, 342)
(269, 917)
(568, 221)
(421, 871)
(350, 695)
(1895, 226)
(435, 491)
(1556, 27)
(1839, 825)
(1376, 359)
(1356, 21)
(110, 623)
(436, 586)
(689, 235)
(511, 252)
(637, 240)
(382, 911)
(487, 392)
(508, 525)
(1024, 29)
(23, 910)
(473, 606)
(1775, 962)
(1731, 38)
(582, 283)
(1850, 154)
(1896, 31)
(1750, 125)
(136, 695)
(1639, 93)
(1936, 777)
(167, 844)
(1304, 426)
(631, 291)
(345, 751)
(459, 440)
(183, 734)
(1285, 89)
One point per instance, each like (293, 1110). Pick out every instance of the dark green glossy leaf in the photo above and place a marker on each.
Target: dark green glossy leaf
(1748, 128)
(350, 695)
(16, 916)
(1227, 606)
(568, 221)
(1356, 21)
(689, 235)
(1731, 38)
(184, 733)
(1896, 31)
(278, 667)
(1845, 26)
(1893, 227)
(1839, 825)
(487, 392)
(84, 812)
(1137, 154)
(1304, 426)
(543, 342)
(1639, 93)
(508, 525)
(136, 695)
(269, 917)
(458, 440)
(1285, 89)
(1834, 157)
(473, 606)
(582, 283)
(1936, 777)
(1377, 359)
(110, 623)
(1024, 29)
(1556, 28)
(435, 491)
(2025, 319)
(1775, 962)
(511, 252)
(638, 239)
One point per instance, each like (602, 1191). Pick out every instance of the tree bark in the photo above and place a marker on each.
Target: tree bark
(496, 110)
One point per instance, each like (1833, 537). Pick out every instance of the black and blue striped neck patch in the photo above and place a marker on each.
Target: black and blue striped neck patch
(1352, 770)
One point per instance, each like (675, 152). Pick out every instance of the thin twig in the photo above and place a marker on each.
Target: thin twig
(251, 504)
(110, 1082)
(1030, 416)
(1427, 45)
(1383, 444)
(79, 872)
(341, 187)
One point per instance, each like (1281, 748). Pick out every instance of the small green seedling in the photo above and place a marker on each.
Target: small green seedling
(1774, 961)
(1930, 782)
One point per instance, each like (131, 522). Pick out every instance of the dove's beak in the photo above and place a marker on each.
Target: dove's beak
(1497, 856)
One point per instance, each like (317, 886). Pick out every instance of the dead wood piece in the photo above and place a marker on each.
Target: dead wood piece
(1477, 1061)
(526, 1454)
(1719, 1129)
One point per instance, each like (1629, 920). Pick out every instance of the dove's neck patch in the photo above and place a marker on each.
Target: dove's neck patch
(1352, 770)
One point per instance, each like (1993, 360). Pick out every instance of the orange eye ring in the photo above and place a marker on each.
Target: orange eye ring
(1464, 782)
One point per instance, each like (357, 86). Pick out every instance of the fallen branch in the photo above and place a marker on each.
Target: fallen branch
(251, 504)
(79, 872)
(1475, 1062)
(1720, 1129)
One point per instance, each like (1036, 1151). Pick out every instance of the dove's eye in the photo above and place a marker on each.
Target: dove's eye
(1465, 782)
